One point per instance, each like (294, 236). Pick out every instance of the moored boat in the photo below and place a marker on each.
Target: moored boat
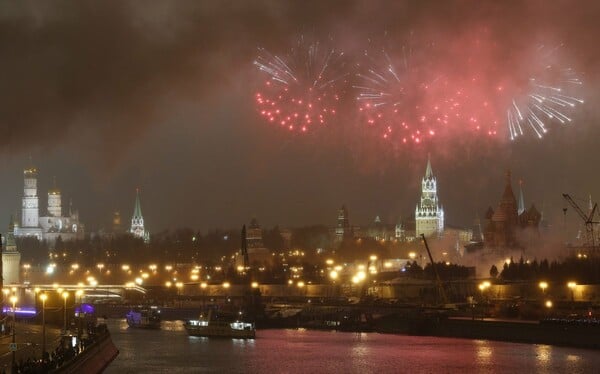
(144, 317)
(222, 326)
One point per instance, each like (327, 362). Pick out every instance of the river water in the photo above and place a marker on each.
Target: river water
(171, 350)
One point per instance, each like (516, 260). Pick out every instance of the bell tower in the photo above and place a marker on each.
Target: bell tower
(30, 209)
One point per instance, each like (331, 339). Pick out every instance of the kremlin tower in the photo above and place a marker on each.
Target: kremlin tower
(137, 220)
(429, 216)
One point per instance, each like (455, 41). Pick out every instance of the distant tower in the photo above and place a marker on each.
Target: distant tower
(11, 258)
(116, 222)
(254, 236)
(54, 202)
(30, 212)
(137, 221)
(429, 216)
(343, 225)
(521, 208)
(30, 217)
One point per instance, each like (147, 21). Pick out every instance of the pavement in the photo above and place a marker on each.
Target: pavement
(29, 343)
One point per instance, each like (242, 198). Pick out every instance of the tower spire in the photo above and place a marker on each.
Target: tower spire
(428, 171)
(137, 210)
(137, 220)
(521, 208)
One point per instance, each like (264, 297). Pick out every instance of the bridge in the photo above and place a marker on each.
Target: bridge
(104, 291)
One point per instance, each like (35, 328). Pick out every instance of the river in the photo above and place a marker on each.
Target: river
(170, 350)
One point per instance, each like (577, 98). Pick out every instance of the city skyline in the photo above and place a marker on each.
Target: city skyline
(170, 110)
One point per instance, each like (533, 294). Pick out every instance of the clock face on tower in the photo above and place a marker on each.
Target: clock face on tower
(29, 204)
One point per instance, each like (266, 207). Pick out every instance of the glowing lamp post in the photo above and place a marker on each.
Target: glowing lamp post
(572, 286)
(548, 304)
(543, 286)
(43, 297)
(13, 301)
(226, 286)
(65, 296)
(203, 286)
(482, 287)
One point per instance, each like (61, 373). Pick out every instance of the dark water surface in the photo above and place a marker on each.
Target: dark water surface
(170, 350)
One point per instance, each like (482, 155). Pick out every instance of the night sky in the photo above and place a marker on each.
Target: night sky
(109, 96)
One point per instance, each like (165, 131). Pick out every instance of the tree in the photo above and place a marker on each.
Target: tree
(493, 271)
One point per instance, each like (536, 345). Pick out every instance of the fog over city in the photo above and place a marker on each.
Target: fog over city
(112, 96)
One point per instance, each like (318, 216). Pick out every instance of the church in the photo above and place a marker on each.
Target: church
(511, 225)
(54, 223)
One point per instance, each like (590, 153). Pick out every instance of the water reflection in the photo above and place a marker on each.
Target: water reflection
(483, 352)
(543, 355)
(172, 351)
(243, 342)
(172, 325)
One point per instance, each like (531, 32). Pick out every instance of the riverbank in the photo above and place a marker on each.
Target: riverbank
(532, 332)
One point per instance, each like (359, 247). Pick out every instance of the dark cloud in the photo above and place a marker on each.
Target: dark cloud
(118, 83)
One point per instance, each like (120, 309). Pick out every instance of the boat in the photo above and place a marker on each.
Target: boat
(221, 326)
(144, 317)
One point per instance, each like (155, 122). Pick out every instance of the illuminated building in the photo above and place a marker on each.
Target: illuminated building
(30, 225)
(429, 216)
(11, 258)
(54, 223)
(343, 229)
(137, 220)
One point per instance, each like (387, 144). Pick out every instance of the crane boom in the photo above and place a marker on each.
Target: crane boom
(437, 275)
(590, 237)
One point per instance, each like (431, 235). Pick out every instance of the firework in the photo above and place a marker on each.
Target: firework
(411, 98)
(302, 87)
(549, 97)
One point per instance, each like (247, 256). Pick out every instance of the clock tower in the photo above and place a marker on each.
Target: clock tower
(429, 216)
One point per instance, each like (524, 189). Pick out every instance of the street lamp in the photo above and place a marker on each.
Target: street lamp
(482, 287)
(13, 300)
(65, 296)
(203, 286)
(543, 286)
(43, 297)
(572, 286)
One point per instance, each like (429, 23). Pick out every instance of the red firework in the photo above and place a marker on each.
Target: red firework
(301, 91)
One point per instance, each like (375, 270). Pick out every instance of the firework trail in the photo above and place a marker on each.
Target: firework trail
(412, 98)
(550, 96)
(302, 89)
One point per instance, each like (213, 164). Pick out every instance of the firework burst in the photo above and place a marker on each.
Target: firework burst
(413, 99)
(550, 96)
(302, 87)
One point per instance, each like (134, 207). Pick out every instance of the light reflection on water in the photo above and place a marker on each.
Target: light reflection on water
(305, 351)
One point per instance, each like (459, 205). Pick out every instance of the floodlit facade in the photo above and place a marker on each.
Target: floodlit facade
(53, 223)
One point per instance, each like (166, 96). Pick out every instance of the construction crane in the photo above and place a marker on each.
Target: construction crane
(590, 237)
(437, 275)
